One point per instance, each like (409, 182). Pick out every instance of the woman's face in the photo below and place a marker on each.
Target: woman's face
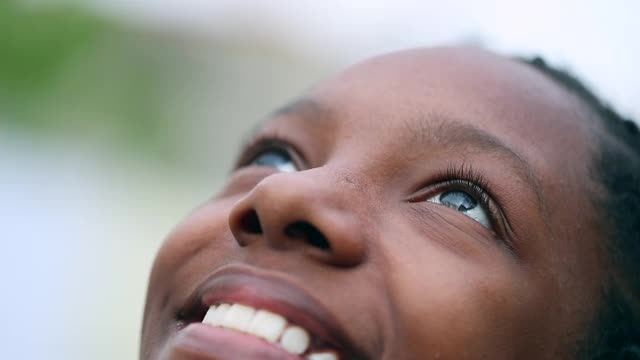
(429, 204)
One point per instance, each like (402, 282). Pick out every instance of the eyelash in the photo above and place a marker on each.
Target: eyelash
(265, 142)
(465, 178)
(454, 177)
(462, 177)
(469, 177)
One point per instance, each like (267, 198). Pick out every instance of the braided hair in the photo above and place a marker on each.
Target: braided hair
(615, 330)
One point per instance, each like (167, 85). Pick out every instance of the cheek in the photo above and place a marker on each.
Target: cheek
(457, 306)
(203, 232)
(192, 247)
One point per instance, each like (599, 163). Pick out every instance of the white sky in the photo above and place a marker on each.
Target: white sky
(598, 40)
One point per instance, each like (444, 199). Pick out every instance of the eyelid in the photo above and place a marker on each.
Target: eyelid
(463, 177)
(453, 184)
(264, 142)
(468, 179)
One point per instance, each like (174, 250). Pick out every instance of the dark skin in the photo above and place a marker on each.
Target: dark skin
(406, 277)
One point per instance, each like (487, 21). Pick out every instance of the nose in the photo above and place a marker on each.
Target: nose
(301, 212)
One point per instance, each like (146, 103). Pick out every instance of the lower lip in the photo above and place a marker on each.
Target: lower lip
(200, 341)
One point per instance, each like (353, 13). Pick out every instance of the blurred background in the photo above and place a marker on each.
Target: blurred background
(117, 117)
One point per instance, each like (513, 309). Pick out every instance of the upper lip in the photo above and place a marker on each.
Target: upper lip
(270, 291)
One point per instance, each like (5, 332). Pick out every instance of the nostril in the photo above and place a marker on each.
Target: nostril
(308, 232)
(250, 223)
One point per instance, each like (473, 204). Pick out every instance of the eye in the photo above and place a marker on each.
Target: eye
(275, 158)
(465, 203)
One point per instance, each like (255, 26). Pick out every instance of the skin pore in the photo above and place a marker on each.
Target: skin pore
(432, 203)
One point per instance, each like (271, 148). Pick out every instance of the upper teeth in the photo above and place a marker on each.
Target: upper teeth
(266, 325)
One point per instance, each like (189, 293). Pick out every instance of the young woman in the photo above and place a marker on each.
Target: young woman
(440, 203)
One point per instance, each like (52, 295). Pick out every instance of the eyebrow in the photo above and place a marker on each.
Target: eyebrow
(451, 132)
(305, 107)
(447, 131)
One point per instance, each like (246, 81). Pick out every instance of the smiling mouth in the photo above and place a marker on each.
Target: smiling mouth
(265, 310)
(271, 327)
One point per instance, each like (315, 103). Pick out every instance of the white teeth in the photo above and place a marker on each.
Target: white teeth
(238, 317)
(208, 317)
(267, 325)
(322, 356)
(216, 315)
(295, 340)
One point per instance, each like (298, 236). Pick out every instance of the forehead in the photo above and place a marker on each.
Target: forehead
(428, 108)
(402, 100)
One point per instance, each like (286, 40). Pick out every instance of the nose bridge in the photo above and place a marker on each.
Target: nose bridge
(304, 210)
(303, 190)
(292, 190)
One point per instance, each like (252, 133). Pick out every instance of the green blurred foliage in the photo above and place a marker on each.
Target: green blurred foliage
(181, 98)
(66, 71)
(35, 43)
